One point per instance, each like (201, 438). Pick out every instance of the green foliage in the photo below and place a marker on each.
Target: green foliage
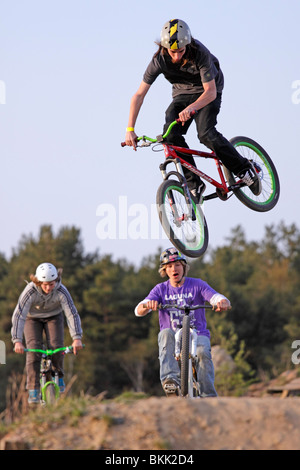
(260, 279)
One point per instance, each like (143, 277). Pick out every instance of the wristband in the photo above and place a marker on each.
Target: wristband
(129, 129)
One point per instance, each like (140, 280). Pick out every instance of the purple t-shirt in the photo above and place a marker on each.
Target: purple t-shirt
(193, 292)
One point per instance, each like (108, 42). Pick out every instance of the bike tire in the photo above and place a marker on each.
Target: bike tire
(185, 356)
(50, 394)
(269, 195)
(189, 237)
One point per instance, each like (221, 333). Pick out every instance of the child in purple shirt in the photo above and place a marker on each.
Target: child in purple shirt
(181, 290)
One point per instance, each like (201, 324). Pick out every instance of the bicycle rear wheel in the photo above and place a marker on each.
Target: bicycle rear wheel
(267, 173)
(185, 356)
(187, 235)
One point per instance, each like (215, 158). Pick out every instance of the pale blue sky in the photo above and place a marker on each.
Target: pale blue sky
(70, 69)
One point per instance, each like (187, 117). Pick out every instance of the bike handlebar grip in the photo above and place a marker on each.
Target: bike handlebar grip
(145, 306)
(192, 114)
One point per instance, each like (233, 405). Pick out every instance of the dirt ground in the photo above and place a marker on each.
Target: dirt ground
(247, 423)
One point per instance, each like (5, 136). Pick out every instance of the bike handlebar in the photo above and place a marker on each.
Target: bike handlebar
(181, 307)
(50, 352)
(184, 307)
(159, 138)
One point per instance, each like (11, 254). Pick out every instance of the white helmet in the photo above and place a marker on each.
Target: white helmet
(175, 34)
(46, 272)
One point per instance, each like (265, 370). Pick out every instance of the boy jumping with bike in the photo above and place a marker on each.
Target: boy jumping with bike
(197, 85)
(180, 290)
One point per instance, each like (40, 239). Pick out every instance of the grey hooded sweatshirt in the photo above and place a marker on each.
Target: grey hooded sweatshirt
(34, 303)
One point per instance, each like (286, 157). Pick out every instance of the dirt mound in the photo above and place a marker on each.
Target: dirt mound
(248, 423)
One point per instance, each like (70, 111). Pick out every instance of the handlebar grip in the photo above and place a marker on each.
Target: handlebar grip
(192, 114)
(145, 306)
(123, 144)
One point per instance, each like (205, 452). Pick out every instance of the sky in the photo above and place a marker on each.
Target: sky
(68, 70)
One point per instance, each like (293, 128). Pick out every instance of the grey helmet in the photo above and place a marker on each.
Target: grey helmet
(175, 34)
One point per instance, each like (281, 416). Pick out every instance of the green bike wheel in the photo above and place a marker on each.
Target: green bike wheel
(188, 235)
(267, 173)
(50, 393)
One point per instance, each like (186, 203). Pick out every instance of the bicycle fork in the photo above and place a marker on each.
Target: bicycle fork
(48, 379)
(187, 195)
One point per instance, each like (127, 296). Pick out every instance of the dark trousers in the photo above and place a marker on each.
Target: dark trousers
(53, 327)
(206, 120)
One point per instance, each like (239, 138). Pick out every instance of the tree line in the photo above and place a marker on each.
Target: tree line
(261, 279)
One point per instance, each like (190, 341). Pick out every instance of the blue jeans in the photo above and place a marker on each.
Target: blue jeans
(169, 366)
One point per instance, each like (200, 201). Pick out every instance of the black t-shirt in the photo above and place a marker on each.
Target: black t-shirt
(187, 79)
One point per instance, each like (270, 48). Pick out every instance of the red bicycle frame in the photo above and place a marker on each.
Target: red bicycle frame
(170, 152)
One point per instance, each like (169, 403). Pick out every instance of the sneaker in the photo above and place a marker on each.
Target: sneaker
(61, 385)
(171, 387)
(34, 396)
(198, 193)
(250, 177)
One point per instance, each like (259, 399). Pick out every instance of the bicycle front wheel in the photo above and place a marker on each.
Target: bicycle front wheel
(267, 173)
(188, 234)
(185, 356)
(50, 393)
